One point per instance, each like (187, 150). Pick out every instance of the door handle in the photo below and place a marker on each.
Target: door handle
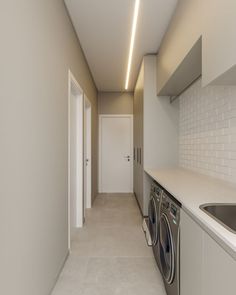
(139, 156)
(127, 157)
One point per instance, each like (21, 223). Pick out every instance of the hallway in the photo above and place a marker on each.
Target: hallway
(109, 254)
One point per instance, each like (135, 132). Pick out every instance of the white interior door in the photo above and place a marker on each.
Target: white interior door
(116, 160)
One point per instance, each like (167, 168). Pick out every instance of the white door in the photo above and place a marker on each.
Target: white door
(116, 160)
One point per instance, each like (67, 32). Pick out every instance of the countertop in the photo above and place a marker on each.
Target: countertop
(192, 190)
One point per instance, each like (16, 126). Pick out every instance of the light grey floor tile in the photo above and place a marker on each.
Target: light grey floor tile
(101, 271)
(138, 269)
(140, 288)
(109, 254)
(99, 289)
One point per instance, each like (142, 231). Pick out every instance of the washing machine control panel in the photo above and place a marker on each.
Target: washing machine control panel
(156, 191)
(165, 202)
(173, 210)
(170, 207)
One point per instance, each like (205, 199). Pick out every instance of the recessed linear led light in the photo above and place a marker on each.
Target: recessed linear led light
(134, 27)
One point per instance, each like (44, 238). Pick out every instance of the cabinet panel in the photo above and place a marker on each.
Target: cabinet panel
(160, 123)
(138, 137)
(155, 127)
(191, 251)
(219, 43)
(183, 32)
(189, 69)
(219, 269)
(178, 63)
(205, 267)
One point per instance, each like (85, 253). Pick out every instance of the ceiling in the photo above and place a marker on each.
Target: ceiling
(104, 30)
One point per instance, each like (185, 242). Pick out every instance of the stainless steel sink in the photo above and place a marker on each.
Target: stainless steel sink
(225, 214)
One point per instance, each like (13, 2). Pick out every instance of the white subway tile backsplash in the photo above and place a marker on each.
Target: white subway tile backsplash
(207, 141)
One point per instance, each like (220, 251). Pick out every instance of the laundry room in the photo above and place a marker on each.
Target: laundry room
(118, 147)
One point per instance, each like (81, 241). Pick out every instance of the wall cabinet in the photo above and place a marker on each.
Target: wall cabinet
(205, 267)
(200, 40)
(183, 33)
(155, 130)
(219, 43)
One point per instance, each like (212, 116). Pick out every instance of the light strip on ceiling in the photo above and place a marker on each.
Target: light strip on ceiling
(134, 27)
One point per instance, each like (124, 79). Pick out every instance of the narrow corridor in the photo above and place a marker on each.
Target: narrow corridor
(109, 254)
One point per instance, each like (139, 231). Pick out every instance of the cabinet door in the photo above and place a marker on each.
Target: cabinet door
(135, 134)
(219, 269)
(183, 32)
(135, 171)
(219, 42)
(191, 251)
(138, 137)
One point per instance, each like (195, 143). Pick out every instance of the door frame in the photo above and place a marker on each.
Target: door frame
(101, 116)
(88, 151)
(75, 89)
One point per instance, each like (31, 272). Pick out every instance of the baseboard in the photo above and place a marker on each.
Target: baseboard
(59, 272)
(141, 212)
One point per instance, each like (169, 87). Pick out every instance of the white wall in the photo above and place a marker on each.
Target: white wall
(38, 46)
(208, 130)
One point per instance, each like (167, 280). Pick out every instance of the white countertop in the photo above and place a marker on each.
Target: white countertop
(194, 189)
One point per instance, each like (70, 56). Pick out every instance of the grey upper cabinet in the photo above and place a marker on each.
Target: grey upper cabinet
(200, 40)
(183, 33)
(219, 43)
(189, 69)
(155, 130)
(191, 252)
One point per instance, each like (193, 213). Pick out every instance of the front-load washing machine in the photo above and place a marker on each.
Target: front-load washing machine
(154, 218)
(168, 232)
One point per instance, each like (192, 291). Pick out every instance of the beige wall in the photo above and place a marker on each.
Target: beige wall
(115, 103)
(38, 47)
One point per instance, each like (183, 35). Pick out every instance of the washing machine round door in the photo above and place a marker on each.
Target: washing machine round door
(152, 216)
(166, 249)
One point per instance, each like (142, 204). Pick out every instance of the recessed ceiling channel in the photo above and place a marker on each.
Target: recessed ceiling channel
(133, 34)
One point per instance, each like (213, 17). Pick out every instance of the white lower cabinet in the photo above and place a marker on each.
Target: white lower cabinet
(191, 249)
(205, 267)
(219, 269)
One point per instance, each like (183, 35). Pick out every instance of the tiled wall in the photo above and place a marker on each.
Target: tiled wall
(208, 130)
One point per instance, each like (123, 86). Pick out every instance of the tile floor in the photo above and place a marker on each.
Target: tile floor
(109, 254)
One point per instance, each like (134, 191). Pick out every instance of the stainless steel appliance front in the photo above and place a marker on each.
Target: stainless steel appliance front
(154, 218)
(168, 233)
